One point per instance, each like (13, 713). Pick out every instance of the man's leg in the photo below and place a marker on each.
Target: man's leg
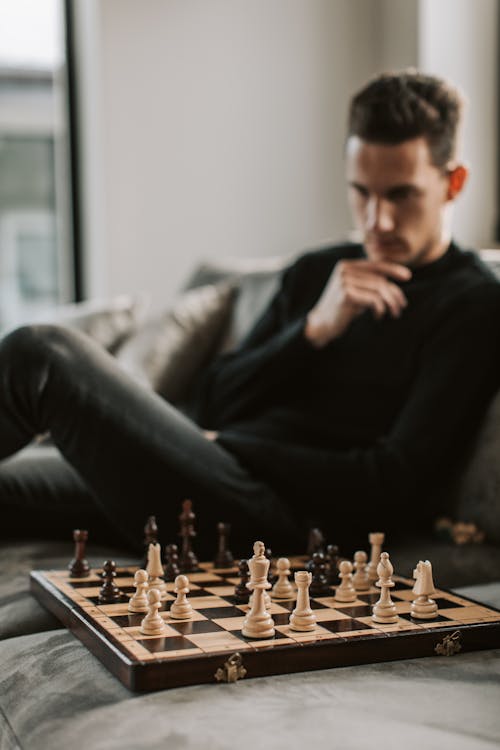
(137, 453)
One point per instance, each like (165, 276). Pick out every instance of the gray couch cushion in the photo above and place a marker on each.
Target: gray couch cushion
(54, 694)
(478, 493)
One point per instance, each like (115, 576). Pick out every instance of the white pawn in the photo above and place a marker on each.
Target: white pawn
(139, 601)
(423, 607)
(346, 591)
(181, 609)
(360, 579)
(384, 610)
(153, 623)
(258, 623)
(302, 617)
(283, 589)
(155, 570)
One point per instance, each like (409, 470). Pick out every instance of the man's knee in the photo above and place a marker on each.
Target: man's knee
(35, 344)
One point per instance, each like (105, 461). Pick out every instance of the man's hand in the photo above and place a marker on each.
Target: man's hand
(354, 286)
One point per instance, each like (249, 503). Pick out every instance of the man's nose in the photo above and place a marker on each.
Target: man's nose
(379, 215)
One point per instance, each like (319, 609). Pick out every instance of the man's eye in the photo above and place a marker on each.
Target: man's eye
(401, 194)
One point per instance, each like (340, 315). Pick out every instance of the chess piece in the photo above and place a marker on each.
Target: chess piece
(267, 599)
(188, 562)
(302, 617)
(315, 542)
(360, 579)
(241, 592)
(150, 537)
(283, 589)
(258, 623)
(317, 567)
(270, 575)
(155, 570)
(181, 609)
(384, 610)
(139, 601)
(171, 563)
(109, 592)
(153, 623)
(224, 557)
(423, 607)
(79, 566)
(376, 539)
(332, 563)
(346, 591)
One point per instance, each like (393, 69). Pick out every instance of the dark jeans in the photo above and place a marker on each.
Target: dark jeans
(136, 454)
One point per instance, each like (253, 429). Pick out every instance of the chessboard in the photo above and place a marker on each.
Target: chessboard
(210, 648)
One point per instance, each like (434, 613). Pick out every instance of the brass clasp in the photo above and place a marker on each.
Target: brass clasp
(232, 671)
(450, 645)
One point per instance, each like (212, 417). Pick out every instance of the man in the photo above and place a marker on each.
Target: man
(349, 402)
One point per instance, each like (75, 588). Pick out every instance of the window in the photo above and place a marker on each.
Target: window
(36, 260)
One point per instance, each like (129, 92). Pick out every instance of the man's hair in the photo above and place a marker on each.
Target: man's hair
(397, 107)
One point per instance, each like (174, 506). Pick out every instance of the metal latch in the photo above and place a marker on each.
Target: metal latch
(232, 671)
(450, 645)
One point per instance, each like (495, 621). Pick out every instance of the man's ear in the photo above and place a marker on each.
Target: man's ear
(457, 178)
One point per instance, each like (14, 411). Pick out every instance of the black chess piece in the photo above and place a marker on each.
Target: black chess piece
(270, 573)
(150, 537)
(79, 566)
(171, 562)
(188, 561)
(109, 593)
(224, 557)
(332, 564)
(241, 593)
(315, 542)
(319, 584)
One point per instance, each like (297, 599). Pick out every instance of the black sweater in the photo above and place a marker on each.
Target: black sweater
(382, 413)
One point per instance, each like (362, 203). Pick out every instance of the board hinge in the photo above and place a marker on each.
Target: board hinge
(450, 645)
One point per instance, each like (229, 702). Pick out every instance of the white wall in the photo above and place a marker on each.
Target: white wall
(216, 127)
(458, 39)
(220, 131)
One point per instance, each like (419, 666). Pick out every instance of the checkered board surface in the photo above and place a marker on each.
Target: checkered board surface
(190, 651)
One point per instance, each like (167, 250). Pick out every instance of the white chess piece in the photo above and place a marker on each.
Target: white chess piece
(283, 588)
(302, 617)
(423, 607)
(376, 539)
(139, 601)
(153, 623)
(360, 579)
(155, 570)
(346, 591)
(258, 623)
(181, 609)
(384, 611)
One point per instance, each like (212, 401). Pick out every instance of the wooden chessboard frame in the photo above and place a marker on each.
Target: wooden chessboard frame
(462, 625)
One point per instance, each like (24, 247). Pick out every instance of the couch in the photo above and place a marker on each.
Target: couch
(53, 693)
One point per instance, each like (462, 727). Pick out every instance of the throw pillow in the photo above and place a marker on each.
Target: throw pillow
(167, 352)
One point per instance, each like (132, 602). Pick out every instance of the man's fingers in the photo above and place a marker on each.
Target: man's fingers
(367, 298)
(390, 293)
(381, 267)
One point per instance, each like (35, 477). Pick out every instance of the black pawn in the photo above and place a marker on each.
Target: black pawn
(109, 593)
(332, 564)
(224, 557)
(79, 566)
(319, 584)
(172, 562)
(241, 593)
(150, 537)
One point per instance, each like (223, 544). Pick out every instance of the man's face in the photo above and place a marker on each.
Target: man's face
(398, 199)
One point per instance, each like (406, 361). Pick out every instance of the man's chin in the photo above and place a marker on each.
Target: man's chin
(395, 252)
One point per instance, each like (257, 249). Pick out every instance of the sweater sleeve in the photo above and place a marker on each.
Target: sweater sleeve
(458, 373)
